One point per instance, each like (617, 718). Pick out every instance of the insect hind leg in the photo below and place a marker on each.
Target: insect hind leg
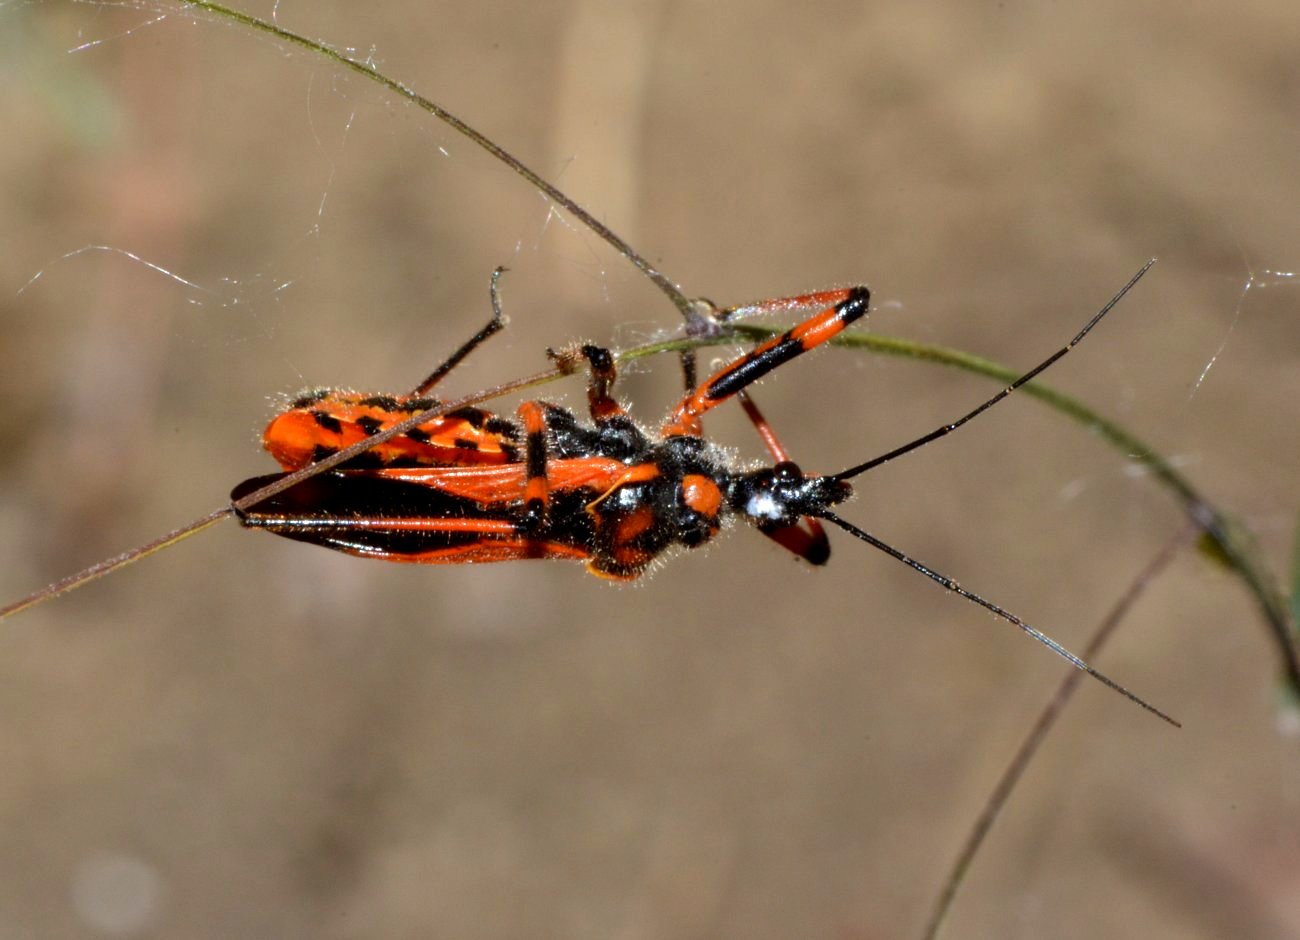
(493, 326)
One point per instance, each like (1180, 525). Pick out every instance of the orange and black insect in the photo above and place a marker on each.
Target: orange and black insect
(406, 478)
(469, 486)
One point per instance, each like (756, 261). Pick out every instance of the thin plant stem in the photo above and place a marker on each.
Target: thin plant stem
(1033, 741)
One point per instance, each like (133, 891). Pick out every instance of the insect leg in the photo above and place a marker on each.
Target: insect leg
(537, 490)
(808, 539)
(842, 308)
(600, 380)
(494, 325)
(951, 426)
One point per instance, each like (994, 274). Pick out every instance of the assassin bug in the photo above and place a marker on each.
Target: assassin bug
(469, 486)
(546, 486)
(462, 488)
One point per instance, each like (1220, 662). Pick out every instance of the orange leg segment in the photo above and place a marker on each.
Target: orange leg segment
(846, 306)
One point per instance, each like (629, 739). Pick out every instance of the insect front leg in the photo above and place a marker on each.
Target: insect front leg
(841, 308)
(807, 539)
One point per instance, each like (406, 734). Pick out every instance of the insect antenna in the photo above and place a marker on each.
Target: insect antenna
(1033, 741)
(1033, 373)
(988, 605)
(948, 428)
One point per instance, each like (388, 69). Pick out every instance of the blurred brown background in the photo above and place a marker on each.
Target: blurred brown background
(249, 737)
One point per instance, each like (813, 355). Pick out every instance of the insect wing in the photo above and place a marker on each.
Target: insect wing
(434, 515)
(324, 423)
(591, 477)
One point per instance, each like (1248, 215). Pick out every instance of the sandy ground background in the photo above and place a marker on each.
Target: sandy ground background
(248, 737)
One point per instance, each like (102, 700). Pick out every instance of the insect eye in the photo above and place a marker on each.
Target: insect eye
(786, 472)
